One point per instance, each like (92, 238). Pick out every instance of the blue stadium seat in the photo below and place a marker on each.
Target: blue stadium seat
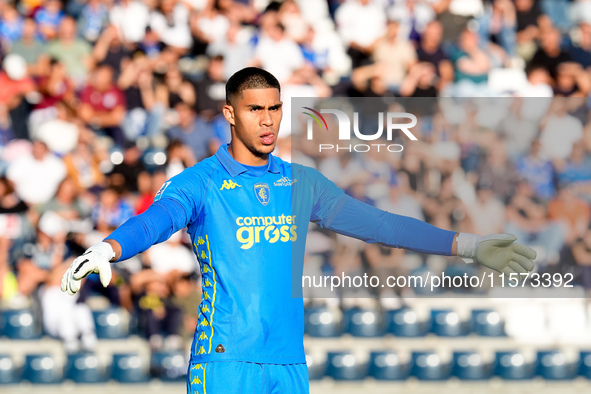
(427, 365)
(169, 366)
(19, 324)
(345, 366)
(386, 365)
(366, 323)
(447, 323)
(8, 371)
(488, 323)
(41, 369)
(84, 368)
(316, 367)
(128, 368)
(404, 322)
(585, 364)
(468, 365)
(323, 322)
(109, 324)
(554, 365)
(512, 365)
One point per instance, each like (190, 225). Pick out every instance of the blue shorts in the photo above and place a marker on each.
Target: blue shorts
(236, 377)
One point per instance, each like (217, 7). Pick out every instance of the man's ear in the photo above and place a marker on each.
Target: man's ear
(228, 111)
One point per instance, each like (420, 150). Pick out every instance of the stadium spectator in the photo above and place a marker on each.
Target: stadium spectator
(175, 88)
(576, 170)
(360, 24)
(170, 22)
(571, 81)
(125, 174)
(192, 131)
(446, 210)
(395, 53)
(499, 171)
(48, 19)
(144, 115)
(36, 176)
(73, 52)
(537, 170)
(111, 210)
(170, 256)
(102, 104)
(236, 49)
(180, 156)
(498, 25)
(580, 47)
(210, 90)
(471, 66)
(573, 211)
(487, 212)
(430, 50)
(11, 25)
(277, 52)
(30, 47)
(550, 54)
(420, 81)
(208, 27)
(47, 253)
(130, 17)
(94, 18)
(148, 186)
(67, 204)
(159, 318)
(83, 164)
(560, 131)
(109, 50)
(530, 20)
(528, 219)
(187, 294)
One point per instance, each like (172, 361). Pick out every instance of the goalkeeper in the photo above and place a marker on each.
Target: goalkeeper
(247, 212)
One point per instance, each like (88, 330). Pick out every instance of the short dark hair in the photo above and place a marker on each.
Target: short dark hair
(249, 78)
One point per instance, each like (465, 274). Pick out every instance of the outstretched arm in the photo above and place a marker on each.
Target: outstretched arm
(345, 215)
(155, 225)
(498, 251)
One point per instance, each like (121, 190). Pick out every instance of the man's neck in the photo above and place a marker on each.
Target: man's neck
(244, 156)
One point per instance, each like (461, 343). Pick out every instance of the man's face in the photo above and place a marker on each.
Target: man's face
(256, 117)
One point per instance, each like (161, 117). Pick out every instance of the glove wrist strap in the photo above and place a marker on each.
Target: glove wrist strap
(467, 244)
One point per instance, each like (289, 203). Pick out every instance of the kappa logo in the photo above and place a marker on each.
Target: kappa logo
(229, 184)
(285, 181)
(261, 191)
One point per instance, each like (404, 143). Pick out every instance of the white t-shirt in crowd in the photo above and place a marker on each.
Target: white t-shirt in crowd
(131, 20)
(36, 181)
(281, 58)
(359, 23)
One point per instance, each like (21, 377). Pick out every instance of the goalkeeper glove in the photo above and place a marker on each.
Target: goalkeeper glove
(498, 251)
(96, 259)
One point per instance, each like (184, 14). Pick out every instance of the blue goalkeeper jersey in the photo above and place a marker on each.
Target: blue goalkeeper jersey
(249, 232)
(245, 233)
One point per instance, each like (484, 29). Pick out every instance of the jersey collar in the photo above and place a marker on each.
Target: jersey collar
(234, 168)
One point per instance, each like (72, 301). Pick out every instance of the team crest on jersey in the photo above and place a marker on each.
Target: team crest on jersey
(162, 189)
(261, 190)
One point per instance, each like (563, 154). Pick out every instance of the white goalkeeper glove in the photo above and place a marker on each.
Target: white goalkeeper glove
(498, 251)
(96, 259)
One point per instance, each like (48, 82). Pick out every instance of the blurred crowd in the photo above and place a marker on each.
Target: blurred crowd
(101, 101)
